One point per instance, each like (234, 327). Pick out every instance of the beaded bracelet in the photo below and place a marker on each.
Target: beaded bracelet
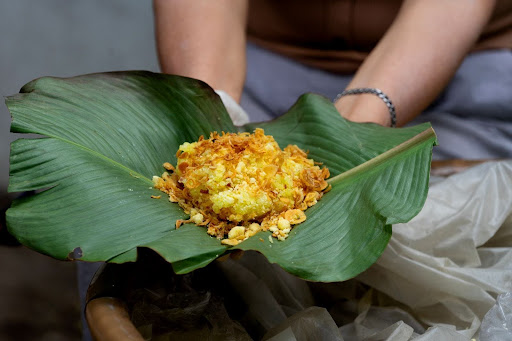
(374, 91)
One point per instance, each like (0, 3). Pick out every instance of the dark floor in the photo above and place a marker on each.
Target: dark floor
(38, 297)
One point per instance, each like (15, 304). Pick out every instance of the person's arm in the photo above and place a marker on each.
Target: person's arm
(203, 39)
(416, 58)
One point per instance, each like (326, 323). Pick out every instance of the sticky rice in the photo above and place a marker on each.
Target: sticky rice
(239, 184)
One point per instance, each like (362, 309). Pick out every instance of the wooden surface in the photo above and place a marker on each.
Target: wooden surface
(108, 320)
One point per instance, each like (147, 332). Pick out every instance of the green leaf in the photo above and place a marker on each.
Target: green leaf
(108, 134)
(380, 178)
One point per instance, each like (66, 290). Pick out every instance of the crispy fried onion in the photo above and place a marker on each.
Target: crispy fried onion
(240, 184)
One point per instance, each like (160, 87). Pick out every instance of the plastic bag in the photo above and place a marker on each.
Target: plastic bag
(436, 280)
(497, 323)
(448, 264)
(438, 277)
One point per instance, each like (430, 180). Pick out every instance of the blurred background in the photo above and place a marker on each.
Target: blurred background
(38, 295)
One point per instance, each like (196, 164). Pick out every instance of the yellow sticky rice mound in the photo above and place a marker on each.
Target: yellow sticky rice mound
(240, 184)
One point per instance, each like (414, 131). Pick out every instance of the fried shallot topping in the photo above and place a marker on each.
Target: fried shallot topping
(240, 184)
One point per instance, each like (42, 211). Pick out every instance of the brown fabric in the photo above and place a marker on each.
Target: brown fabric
(337, 35)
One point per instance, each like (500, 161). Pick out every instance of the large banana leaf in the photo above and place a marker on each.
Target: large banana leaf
(106, 135)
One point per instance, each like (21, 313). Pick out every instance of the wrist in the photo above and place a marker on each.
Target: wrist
(366, 105)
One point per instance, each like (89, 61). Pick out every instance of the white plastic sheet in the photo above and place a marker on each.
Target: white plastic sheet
(497, 323)
(445, 265)
(438, 277)
(235, 111)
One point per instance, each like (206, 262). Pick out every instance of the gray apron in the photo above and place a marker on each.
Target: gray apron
(472, 117)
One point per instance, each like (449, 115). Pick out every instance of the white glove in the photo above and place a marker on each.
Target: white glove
(235, 111)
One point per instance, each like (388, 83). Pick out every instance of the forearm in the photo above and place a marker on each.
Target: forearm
(416, 58)
(203, 39)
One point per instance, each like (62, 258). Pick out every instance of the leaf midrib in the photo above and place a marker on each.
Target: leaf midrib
(130, 171)
(422, 137)
(382, 158)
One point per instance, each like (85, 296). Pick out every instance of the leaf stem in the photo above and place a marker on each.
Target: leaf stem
(422, 137)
